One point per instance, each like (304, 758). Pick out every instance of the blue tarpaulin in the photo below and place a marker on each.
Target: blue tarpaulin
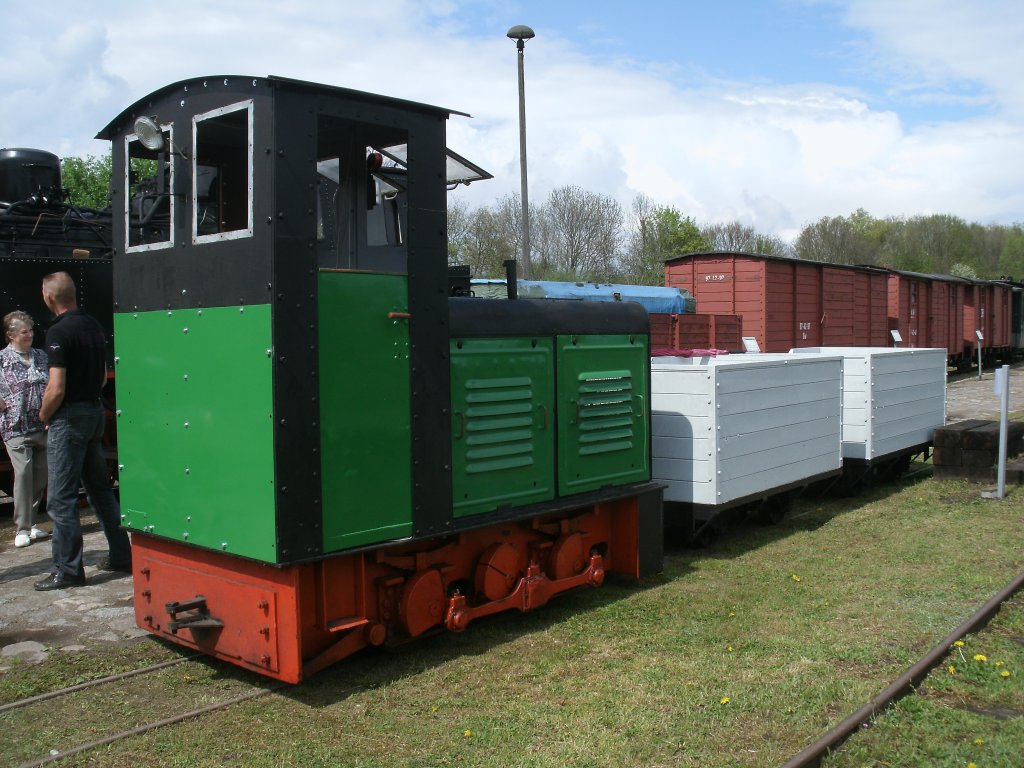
(654, 298)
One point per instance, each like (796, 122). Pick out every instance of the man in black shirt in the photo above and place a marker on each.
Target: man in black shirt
(74, 415)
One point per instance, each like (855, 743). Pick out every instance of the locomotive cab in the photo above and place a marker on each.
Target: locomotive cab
(307, 418)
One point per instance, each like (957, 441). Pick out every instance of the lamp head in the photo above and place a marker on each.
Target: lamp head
(149, 133)
(520, 32)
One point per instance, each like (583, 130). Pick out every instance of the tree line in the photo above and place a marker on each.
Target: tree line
(581, 235)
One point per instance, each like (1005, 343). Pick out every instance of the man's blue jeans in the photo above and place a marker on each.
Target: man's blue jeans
(74, 451)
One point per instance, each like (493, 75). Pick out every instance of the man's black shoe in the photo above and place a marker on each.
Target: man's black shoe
(106, 565)
(58, 581)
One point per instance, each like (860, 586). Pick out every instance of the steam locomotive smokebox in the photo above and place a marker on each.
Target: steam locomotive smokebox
(25, 171)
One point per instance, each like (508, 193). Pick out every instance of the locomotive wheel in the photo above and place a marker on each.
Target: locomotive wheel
(423, 602)
(497, 571)
(568, 557)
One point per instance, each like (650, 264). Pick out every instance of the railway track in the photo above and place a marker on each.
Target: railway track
(252, 690)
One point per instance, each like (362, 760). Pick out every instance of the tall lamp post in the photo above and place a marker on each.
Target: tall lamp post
(521, 33)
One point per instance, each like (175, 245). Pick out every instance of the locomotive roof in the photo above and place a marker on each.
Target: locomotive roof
(115, 126)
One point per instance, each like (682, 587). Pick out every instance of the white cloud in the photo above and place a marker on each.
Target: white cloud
(773, 156)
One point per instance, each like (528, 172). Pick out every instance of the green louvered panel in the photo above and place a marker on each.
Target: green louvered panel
(502, 435)
(603, 433)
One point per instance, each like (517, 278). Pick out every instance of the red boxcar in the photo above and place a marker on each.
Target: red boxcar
(787, 303)
(927, 311)
(988, 308)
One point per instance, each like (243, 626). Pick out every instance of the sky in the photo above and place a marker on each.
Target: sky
(772, 113)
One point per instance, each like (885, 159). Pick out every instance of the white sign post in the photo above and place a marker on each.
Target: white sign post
(980, 339)
(1001, 388)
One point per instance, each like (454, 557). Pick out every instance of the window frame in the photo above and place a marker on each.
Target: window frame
(234, 234)
(167, 128)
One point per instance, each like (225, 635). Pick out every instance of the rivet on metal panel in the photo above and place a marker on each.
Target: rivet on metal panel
(117, 360)
(241, 310)
(188, 471)
(120, 467)
(184, 291)
(200, 313)
(270, 352)
(223, 545)
(185, 377)
(184, 535)
(118, 411)
(188, 519)
(184, 330)
(144, 570)
(186, 425)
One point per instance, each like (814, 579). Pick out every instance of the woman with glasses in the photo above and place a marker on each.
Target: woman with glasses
(23, 377)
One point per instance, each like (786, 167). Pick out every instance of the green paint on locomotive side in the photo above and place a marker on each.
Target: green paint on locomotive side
(602, 418)
(365, 431)
(195, 431)
(503, 431)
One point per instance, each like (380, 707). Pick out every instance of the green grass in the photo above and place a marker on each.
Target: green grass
(970, 709)
(737, 655)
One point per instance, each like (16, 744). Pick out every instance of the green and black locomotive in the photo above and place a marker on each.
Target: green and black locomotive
(321, 448)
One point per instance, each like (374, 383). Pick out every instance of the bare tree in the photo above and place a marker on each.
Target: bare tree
(730, 236)
(834, 239)
(771, 245)
(582, 233)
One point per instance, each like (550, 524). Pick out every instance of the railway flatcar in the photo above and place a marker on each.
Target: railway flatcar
(321, 450)
(743, 434)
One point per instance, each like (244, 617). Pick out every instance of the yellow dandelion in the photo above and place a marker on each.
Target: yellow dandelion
(1005, 673)
(980, 657)
(952, 669)
(467, 733)
(978, 742)
(795, 577)
(959, 643)
(434, 708)
(1000, 663)
(972, 765)
(731, 614)
(724, 700)
(728, 648)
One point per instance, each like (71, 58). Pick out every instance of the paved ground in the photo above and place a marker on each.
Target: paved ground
(35, 624)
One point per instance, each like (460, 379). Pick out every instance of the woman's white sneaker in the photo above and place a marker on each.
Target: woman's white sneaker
(23, 539)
